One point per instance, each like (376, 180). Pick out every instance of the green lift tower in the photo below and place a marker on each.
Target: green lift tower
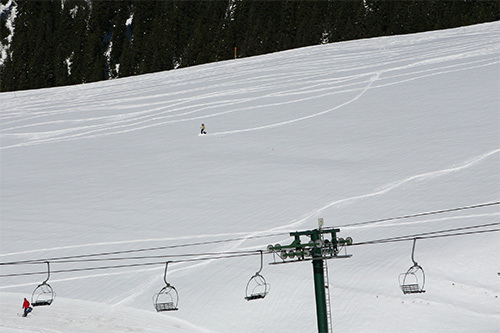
(321, 244)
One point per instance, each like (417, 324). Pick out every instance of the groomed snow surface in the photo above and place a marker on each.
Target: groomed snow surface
(350, 132)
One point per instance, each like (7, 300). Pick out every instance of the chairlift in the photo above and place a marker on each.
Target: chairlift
(413, 281)
(43, 293)
(257, 287)
(167, 298)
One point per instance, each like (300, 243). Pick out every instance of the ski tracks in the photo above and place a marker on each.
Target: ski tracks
(222, 89)
(294, 224)
(387, 188)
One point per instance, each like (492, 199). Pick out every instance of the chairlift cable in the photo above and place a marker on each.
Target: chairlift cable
(132, 265)
(241, 238)
(419, 235)
(244, 253)
(37, 261)
(423, 214)
(411, 237)
(59, 261)
(402, 238)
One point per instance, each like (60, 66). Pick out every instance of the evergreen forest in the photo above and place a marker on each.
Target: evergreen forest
(61, 42)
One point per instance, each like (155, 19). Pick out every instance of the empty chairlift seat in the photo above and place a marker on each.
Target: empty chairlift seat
(257, 287)
(413, 281)
(167, 299)
(43, 293)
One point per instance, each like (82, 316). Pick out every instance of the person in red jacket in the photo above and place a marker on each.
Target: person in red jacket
(27, 308)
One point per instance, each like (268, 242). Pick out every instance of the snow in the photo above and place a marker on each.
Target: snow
(107, 54)
(130, 20)
(73, 11)
(69, 62)
(349, 132)
(10, 11)
(82, 316)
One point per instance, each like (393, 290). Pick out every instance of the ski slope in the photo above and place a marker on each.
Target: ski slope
(350, 132)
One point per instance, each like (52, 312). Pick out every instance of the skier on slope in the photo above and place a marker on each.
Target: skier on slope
(26, 307)
(203, 129)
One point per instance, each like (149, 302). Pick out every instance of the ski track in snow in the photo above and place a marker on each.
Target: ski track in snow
(293, 225)
(339, 78)
(123, 123)
(383, 190)
(159, 106)
(387, 188)
(298, 86)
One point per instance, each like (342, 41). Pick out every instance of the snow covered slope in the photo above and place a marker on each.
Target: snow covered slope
(350, 132)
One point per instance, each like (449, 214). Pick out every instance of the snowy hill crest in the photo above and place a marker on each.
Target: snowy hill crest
(360, 131)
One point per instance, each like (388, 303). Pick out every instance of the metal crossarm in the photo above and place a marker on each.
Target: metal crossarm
(321, 244)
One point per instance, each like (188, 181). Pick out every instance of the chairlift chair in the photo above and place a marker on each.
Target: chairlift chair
(257, 287)
(167, 298)
(413, 281)
(43, 293)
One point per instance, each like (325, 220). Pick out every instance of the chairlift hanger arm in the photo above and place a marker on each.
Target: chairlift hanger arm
(261, 262)
(165, 274)
(48, 273)
(413, 252)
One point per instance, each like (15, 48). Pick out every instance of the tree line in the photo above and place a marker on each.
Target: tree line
(62, 42)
